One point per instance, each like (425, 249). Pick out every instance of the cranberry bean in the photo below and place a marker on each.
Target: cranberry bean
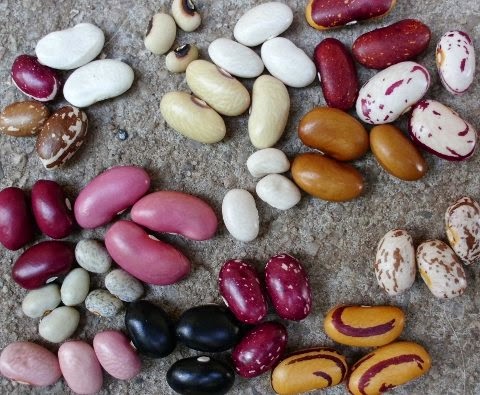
(80, 367)
(110, 193)
(16, 221)
(116, 354)
(52, 209)
(42, 263)
(34, 79)
(145, 257)
(29, 363)
(288, 287)
(176, 212)
(260, 349)
(337, 74)
(242, 292)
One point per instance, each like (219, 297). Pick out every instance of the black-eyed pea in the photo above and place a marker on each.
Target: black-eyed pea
(161, 33)
(388, 367)
(441, 269)
(178, 60)
(308, 370)
(186, 15)
(364, 326)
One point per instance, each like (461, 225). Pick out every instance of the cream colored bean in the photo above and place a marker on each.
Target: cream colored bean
(240, 215)
(269, 113)
(161, 34)
(178, 60)
(102, 303)
(59, 325)
(186, 15)
(75, 287)
(218, 88)
(278, 191)
(267, 161)
(41, 301)
(192, 117)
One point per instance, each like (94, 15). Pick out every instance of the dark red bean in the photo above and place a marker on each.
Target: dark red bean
(42, 263)
(52, 209)
(288, 287)
(338, 75)
(242, 292)
(260, 349)
(16, 222)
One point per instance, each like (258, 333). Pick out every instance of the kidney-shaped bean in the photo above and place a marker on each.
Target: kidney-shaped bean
(176, 212)
(288, 286)
(42, 263)
(16, 224)
(144, 256)
(52, 209)
(110, 193)
(242, 292)
(29, 363)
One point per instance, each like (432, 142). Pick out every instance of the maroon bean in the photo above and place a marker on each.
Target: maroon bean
(337, 72)
(288, 287)
(52, 209)
(42, 263)
(34, 79)
(260, 349)
(242, 292)
(16, 222)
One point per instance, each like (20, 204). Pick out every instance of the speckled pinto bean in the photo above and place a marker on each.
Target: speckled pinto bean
(260, 349)
(462, 221)
(110, 193)
(16, 222)
(42, 263)
(388, 367)
(144, 256)
(29, 363)
(288, 287)
(176, 212)
(308, 370)
(52, 209)
(327, 14)
(242, 292)
(364, 326)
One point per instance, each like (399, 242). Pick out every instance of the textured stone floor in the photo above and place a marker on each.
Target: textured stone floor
(336, 242)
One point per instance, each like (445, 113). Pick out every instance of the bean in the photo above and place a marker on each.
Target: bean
(186, 15)
(161, 33)
(178, 60)
(364, 326)
(23, 119)
(59, 325)
(240, 215)
(92, 256)
(102, 303)
(267, 161)
(124, 286)
(41, 301)
(144, 256)
(111, 192)
(75, 287)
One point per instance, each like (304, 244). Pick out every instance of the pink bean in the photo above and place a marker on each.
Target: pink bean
(29, 363)
(144, 256)
(110, 193)
(80, 367)
(116, 355)
(176, 212)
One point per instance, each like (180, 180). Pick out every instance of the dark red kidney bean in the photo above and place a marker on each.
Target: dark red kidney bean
(16, 222)
(34, 79)
(43, 263)
(288, 287)
(242, 292)
(338, 75)
(52, 209)
(200, 376)
(260, 349)
(208, 328)
(401, 41)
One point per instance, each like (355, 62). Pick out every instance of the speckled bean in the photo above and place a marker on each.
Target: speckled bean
(59, 325)
(23, 119)
(41, 301)
(75, 287)
(124, 286)
(92, 256)
(102, 303)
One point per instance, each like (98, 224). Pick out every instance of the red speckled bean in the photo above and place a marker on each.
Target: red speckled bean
(34, 79)
(80, 367)
(260, 349)
(29, 363)
(110, 193)
(337, 73)
(116, 354)
(176, 212)
(242, 292)
(145, 257)
(42, 263)
(52, 209)
(288, 287)
(16, 222)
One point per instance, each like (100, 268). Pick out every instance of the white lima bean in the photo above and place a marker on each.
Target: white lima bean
(75, 287)
(240, 215)
(267, 161)
(59, 325)
(278, 191)
(40, 301)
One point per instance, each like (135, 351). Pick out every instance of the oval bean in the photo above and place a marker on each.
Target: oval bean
(23, 119)
(41, 301)
(178, 60)
(240, 215)
(186, 15)
(59, 325)
(161, 33)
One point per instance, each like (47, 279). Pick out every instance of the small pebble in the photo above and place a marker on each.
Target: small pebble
(123, 285)
(75, 287)
(122, 135)
(92, 256)
(103, 303)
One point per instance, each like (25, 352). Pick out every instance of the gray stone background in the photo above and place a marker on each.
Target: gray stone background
(335, 242)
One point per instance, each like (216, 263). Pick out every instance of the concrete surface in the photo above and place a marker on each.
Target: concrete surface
(336, 242)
